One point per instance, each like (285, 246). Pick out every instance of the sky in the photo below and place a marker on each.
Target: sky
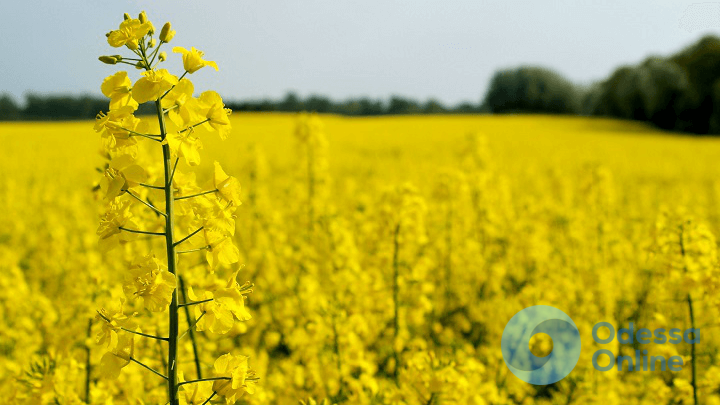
(442, 49)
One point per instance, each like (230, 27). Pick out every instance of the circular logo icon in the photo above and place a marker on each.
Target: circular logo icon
(516, 345)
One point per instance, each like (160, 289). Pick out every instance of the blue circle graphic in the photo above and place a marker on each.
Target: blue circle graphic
(516, 345)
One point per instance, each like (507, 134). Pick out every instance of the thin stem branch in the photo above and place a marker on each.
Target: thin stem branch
(151, 136)
(211, 397)
(142, 232)
(194, 125)
(193, 250)
(151, 186)
(187, 304)
(692, 350)
(189, 236)
(191, 326)
(171, 88)
(204, 379)
(188, 317)
(172, 175)
(396, 303)
(145, 334)
(692, 321)
(155, 52)
(88, 365)
(195, 195)
(152, 207)
(148, 368)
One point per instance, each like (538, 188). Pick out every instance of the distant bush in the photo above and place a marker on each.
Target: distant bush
(681, 92)
(9, 110)
(532, 89)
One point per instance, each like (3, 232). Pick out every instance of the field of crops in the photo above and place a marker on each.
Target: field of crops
(387, 255)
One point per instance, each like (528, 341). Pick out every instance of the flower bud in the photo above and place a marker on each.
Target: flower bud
(142, 17)
(166, 34)
(162, 56)
(118, 57)
(110, 60)
(140, 65)
(152, 43)
(126, 16)
(152, 28)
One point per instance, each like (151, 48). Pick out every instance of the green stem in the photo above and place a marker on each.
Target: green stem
(142, 232)
(192, 326)
(692, 320)
(145, 334)
(211, 397)
(193, 250)
(151, 186)
(172, 175)
(170, 247)
(195, 195)
(189, 236)
(170, 89)
(188, 304)
(148, 368)
(194, 125)
(198, 368)
(204, 379)
(692, 351)
(396, 293)
(88, 366)
(147, 204)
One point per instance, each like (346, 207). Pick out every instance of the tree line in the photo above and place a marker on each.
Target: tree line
(65, 107)
(680, 92)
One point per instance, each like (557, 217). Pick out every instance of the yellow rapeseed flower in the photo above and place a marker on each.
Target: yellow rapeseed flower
(117, 89)
(129, 33)
(149, 279)
(241, 378)
(227, 186)
(152, 85)
(192, 59)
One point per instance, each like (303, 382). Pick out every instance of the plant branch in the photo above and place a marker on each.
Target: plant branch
(188, 317)
(204, 379)
(152, 207)
(194, 125)
(187, 304)
(148, 368)
(194, 250)
(195, 195)
(189, 236)
(192, 326)
(141, 232)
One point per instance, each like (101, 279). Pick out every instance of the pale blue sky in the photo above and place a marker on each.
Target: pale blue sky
(418, 48)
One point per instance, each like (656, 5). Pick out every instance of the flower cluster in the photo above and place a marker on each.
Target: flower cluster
(136, 181)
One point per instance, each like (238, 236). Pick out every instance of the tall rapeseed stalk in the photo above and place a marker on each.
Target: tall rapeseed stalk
(206, 216)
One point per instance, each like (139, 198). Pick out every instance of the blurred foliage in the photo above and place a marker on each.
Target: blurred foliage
(532, 89)
(65, 107)
(681, 92)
